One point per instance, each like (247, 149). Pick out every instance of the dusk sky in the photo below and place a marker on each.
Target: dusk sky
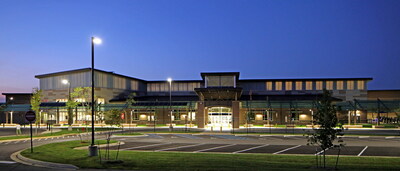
(153, 40)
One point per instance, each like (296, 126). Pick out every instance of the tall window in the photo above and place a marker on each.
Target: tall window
(220, 81)
(309, 85)
(350, 85)
(360, 85)
(278, 85)
(269, 85)
(339, 85)
(288, 85)
(299, 85)
(329, 85)
(318, 85)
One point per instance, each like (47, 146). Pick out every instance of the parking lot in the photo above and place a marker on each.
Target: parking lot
(254, 144)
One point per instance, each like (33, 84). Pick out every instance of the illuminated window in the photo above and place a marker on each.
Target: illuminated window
(299, 85)
(339, 85)
(350, 85)
(360, 85)
(309, 85)
(61, 100)
(329, 85)
(101, 101)
(278, 85)
(269, 85)
(80, 100)
(318, 85)
(288, 85)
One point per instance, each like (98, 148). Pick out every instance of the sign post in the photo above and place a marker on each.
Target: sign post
(30, 116)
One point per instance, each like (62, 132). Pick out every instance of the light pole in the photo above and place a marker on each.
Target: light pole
(170, 104)
(12, 111)
(92, 147)
(70, 116)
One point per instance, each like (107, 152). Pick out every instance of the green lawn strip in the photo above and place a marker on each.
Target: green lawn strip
(65, 153)
(64, 131)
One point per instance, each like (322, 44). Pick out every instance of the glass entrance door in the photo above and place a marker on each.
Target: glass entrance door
(219, 117)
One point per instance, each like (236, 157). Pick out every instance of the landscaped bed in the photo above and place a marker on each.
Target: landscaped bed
(65, 153)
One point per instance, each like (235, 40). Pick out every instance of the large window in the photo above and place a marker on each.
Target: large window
(309, 85)
(329, 85)
(269, 85)
(278, 85)
(220, 81)
(299, 85)
(288, 85)
(350, 85)
(360, 85)
(318, 85)
(339, 85)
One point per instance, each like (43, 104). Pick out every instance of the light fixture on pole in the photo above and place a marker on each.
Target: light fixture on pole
(64, 81)
(170, 104)
(12, 109)
(93, 147)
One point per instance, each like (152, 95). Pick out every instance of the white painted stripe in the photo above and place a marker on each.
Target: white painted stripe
(46, 139)
(208, 149)
(25, 140)
(287, 149)
(193, 145)
(16, 142)
(7, 142)
(363, 137)
(362, 151)
(39, 139)
(389, 137)
(251, 148)
(7, 162)
(267, 135)
(145, 146)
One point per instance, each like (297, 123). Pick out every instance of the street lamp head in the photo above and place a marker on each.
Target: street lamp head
(65, 81)
(11, 98)
(169, 80)
(96, 40)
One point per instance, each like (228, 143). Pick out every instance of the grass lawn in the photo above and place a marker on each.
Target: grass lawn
(65, 153)
(63, 131)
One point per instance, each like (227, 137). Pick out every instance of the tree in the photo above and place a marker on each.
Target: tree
(327, 120)
(82, 93)
(35, 103)
(113, 117)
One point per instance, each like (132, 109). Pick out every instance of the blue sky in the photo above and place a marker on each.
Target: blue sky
(156, 39)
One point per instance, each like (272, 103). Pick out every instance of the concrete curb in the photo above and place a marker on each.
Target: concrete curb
(128, 136)
(99, 146)
(17, 157)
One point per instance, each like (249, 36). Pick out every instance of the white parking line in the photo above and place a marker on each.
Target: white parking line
(208, 149)
(389, 137)
(46, 139)
(287, 149)
(321, 151)
(144, 146)
(16, 142)
(362, 151)
(251, 148)
(25, 140)
(39, 139)
(7, 142)
(363, 137)
(193, 145)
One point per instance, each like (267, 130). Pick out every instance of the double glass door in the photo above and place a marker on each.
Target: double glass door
(219, 117)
